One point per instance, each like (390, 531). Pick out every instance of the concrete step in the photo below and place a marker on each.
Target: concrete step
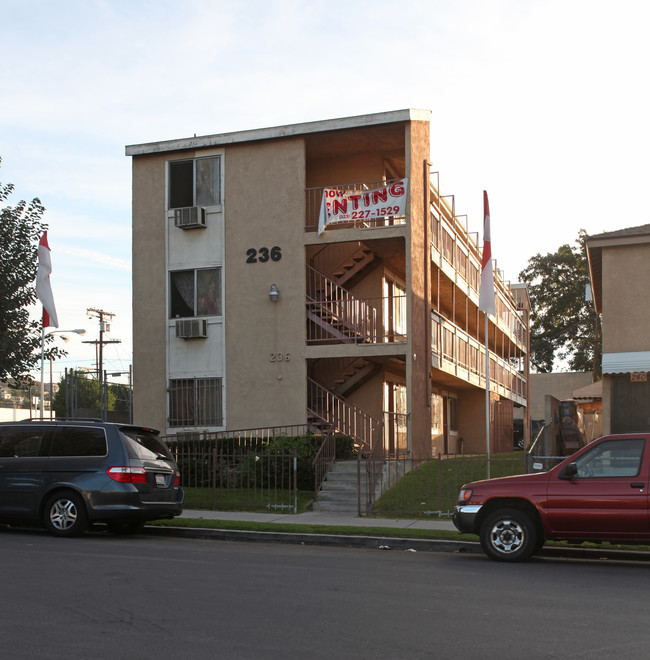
(337, 507)
(340, 492)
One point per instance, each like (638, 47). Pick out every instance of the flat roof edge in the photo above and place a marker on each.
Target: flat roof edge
(290, 130)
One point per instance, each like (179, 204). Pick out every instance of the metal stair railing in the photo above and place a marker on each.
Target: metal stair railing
(348, 318)
(350, 420)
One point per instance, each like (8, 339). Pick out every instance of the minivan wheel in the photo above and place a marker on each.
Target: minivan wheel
(65, 515)
(508, 535)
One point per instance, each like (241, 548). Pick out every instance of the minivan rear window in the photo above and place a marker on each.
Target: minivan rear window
(143, 445)
(78, 441)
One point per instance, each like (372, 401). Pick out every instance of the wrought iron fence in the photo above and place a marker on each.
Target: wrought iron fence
(427, 487)
(239, 470)
(237, 479)
(248, 470)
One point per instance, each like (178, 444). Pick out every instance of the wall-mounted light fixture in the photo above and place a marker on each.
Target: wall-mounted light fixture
(274, 294)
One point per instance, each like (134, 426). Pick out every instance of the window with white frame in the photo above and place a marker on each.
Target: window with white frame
(195, 182)
(195, 292)
(394, 310)
(195, 402)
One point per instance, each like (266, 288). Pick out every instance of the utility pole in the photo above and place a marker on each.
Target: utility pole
(104, 326)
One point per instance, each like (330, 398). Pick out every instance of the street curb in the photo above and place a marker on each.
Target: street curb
(340, 540)
(387, 543)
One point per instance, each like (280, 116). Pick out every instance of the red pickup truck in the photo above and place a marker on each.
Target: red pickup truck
(600, 493)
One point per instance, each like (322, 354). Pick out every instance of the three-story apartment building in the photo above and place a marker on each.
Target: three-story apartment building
(314, 273)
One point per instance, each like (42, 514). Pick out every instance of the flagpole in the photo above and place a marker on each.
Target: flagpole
(42, 368)
(487, 395)
(487, 303)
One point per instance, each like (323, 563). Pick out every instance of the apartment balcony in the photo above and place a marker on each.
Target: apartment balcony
(356, 205)
(456, 353)
(456, 252)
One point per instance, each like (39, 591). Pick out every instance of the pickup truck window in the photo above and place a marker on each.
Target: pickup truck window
(616, 458)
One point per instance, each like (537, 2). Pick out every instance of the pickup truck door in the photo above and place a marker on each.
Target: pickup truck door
(607, 497)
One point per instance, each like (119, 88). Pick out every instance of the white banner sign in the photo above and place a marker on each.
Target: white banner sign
(350, 206)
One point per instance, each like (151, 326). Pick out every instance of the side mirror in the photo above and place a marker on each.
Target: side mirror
(570, 471)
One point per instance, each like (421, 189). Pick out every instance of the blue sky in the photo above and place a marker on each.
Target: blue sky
(542, 103)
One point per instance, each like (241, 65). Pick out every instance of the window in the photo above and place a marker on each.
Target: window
(195, 293)
(614, 458)
(453, 415)
(195, 182)
(16, 442)
(195, 402)
(73, 441)
(395, 416)
(394, 310)
(143, 445)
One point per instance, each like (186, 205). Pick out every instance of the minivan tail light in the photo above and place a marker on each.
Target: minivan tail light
(128, 475)
(177, 479)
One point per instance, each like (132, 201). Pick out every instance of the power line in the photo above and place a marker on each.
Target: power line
(104, 326)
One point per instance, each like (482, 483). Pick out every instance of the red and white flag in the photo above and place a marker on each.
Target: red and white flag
(43, 287)
(487, 302)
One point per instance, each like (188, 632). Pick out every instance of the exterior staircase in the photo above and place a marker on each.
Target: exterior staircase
(340, 316)
(353, 265)
(344, 488)
(339, 491)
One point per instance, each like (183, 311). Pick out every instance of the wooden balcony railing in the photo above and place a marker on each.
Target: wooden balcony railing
(455, 352)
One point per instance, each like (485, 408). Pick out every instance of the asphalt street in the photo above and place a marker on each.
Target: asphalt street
(145, 597)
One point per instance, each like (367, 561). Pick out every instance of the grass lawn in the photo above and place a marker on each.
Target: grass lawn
(247, 499)
(432, 489)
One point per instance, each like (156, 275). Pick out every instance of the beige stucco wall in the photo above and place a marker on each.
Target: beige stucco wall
(560, 385)
(626, 316)
(264, 207)
(149, 304)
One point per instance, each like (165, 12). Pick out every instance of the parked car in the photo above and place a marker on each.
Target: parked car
(69, 474)
(600, 493)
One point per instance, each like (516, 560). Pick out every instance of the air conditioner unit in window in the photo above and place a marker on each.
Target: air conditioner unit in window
(191, 328)
(190, 217)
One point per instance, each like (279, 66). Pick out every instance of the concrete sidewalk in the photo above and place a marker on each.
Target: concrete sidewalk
(348, 539)
(317, 518)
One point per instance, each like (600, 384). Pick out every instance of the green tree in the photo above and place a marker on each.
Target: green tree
(88, 395)
(564, 326)
(21, 227)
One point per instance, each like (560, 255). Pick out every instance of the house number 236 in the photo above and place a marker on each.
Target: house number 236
(280, 357)
(263, 255)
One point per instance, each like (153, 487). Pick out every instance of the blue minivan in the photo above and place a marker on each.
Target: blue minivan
(69, 474)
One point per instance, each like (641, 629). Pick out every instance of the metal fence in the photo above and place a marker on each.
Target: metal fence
(243, 470)
(84, 396)
(427, 487)
(261, 470)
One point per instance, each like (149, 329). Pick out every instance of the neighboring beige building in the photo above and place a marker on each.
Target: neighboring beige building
(247, 313)
(619, 268)
(561, 385)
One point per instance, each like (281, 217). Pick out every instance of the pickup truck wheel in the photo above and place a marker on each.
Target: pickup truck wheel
(508, 535)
